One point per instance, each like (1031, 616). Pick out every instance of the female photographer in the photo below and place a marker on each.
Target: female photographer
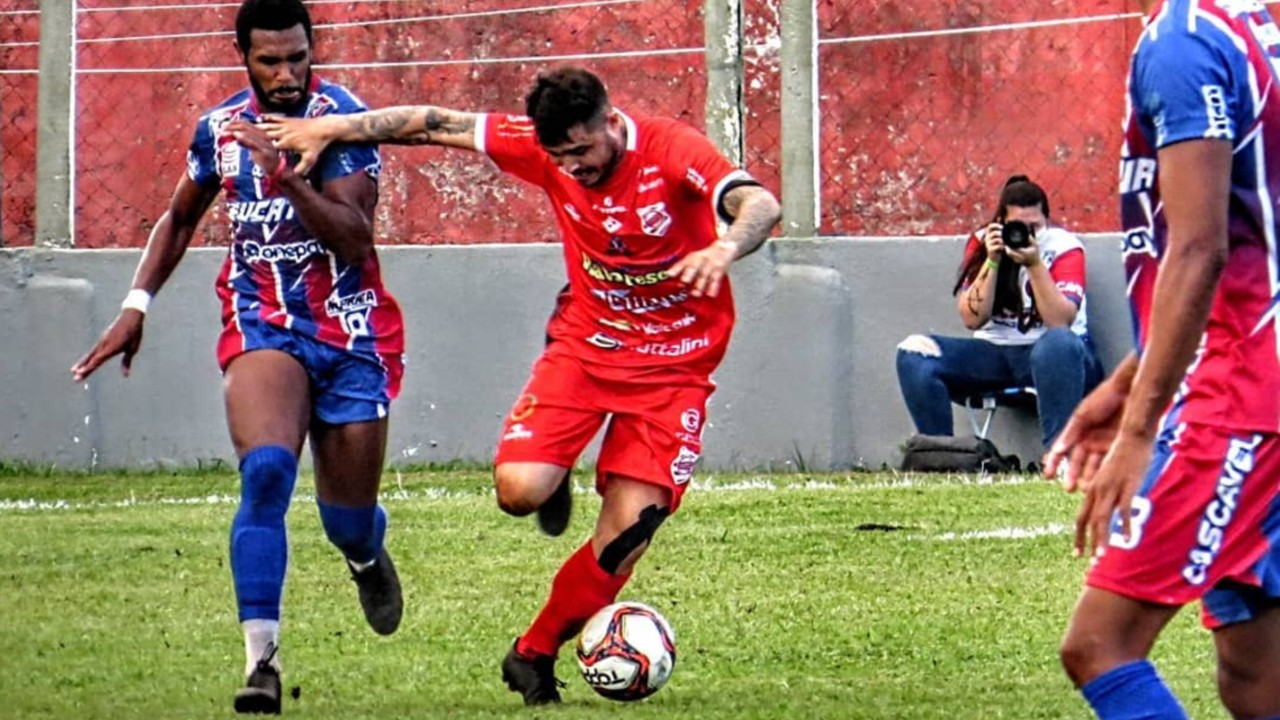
(1021, 289)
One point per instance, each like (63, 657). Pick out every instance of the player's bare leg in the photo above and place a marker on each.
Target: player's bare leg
(525, 487)
(267, 395)
(1105, 652)
(348, 460)
(588, 581)
(1249, 666)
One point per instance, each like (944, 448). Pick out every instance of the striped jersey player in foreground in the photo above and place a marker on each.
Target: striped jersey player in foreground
(644, 320)
(311, 342)
(1178, 452)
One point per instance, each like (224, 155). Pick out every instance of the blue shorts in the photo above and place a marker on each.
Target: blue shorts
(346, 387)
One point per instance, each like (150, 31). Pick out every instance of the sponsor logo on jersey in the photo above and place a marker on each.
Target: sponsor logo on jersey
(646, 187)
(1215, 107)
(674, 349)
(624, 301)
(1137, 175)
(622, 325)
(696, 179)
(336, 305)
(605, 342)
(251, 251)
(691, 420)
(617, 247)
(271, 210)
(1070, 288)
(654, 219)
(660, 328)
(682, 467)
(320, 105)
(518, 432)
(612, 225)
(229, 160)
(618, 277)
(1138, 241)
(1218, 513)
(524, 407)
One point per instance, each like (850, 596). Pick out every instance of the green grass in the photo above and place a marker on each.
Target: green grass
(116, 602)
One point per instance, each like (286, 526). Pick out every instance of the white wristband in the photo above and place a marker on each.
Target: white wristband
(137, 299)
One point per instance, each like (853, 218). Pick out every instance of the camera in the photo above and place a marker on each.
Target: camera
(1015, 234)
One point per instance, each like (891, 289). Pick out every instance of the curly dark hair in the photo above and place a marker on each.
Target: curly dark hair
(270, 15)
(563, 98)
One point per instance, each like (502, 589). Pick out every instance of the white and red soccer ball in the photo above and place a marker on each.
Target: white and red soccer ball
(627, 651)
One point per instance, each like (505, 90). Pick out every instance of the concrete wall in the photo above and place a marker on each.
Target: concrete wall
(809, 379)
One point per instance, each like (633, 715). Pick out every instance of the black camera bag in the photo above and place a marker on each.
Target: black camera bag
(944, 453)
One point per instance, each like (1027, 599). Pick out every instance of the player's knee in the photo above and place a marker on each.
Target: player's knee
(621, 552)
(357, 532)
(919, 345)
(517, 490)
(1080, 658)
(267, 477)
(1242, 686)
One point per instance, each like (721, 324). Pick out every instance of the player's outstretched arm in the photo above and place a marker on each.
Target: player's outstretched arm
(400, 125)
(165, 248)
(755, 212)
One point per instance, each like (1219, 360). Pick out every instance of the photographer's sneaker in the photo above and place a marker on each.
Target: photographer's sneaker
(380, 596)
(533, 677)
(553, 515)
(261, 692)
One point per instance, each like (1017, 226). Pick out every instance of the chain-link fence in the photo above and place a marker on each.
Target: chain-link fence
(19, 47)
(924, 106)
(927, 107)
(146, 73)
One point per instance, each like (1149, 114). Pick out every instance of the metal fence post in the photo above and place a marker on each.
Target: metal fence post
(722, 28)
(55, 141)
(799, 55)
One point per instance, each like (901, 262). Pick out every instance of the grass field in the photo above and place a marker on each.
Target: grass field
(792, 596)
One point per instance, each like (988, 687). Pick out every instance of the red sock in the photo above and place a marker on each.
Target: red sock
(580, 589)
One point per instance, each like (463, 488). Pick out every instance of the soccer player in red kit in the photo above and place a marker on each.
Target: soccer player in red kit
(645, 318)
(1178, 452)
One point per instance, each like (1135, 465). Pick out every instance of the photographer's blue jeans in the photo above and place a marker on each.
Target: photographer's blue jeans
(1061, 365)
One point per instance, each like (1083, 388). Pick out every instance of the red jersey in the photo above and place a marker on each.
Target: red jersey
(621, 314)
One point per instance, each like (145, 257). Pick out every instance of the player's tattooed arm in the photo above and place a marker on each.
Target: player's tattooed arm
(401, 125)
(755, 212)
(411, 125)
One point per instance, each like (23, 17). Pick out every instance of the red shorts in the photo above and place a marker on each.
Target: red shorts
(1205, 524)
(654, 434)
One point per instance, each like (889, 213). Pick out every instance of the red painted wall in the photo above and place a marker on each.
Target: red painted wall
(916, 134)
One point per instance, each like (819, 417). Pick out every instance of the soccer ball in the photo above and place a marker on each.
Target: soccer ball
(627, 651)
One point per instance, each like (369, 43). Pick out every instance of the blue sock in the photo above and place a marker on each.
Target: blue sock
(259, 545)
(357, 532)
(1133, 691)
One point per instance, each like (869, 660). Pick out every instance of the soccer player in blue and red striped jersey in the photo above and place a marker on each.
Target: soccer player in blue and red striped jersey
(1178, 452)
(311, 344)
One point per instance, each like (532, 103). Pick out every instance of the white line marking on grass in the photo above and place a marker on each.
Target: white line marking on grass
(1007, 533)
(400, 494)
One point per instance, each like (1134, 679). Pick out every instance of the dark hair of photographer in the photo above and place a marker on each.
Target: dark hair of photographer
(1018, 191)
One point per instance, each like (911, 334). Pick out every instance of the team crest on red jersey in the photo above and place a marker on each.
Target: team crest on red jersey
(654, 219)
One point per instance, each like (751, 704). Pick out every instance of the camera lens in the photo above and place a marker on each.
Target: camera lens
(1015, 234)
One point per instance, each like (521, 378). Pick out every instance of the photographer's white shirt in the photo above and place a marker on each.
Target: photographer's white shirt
(1063, 255)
